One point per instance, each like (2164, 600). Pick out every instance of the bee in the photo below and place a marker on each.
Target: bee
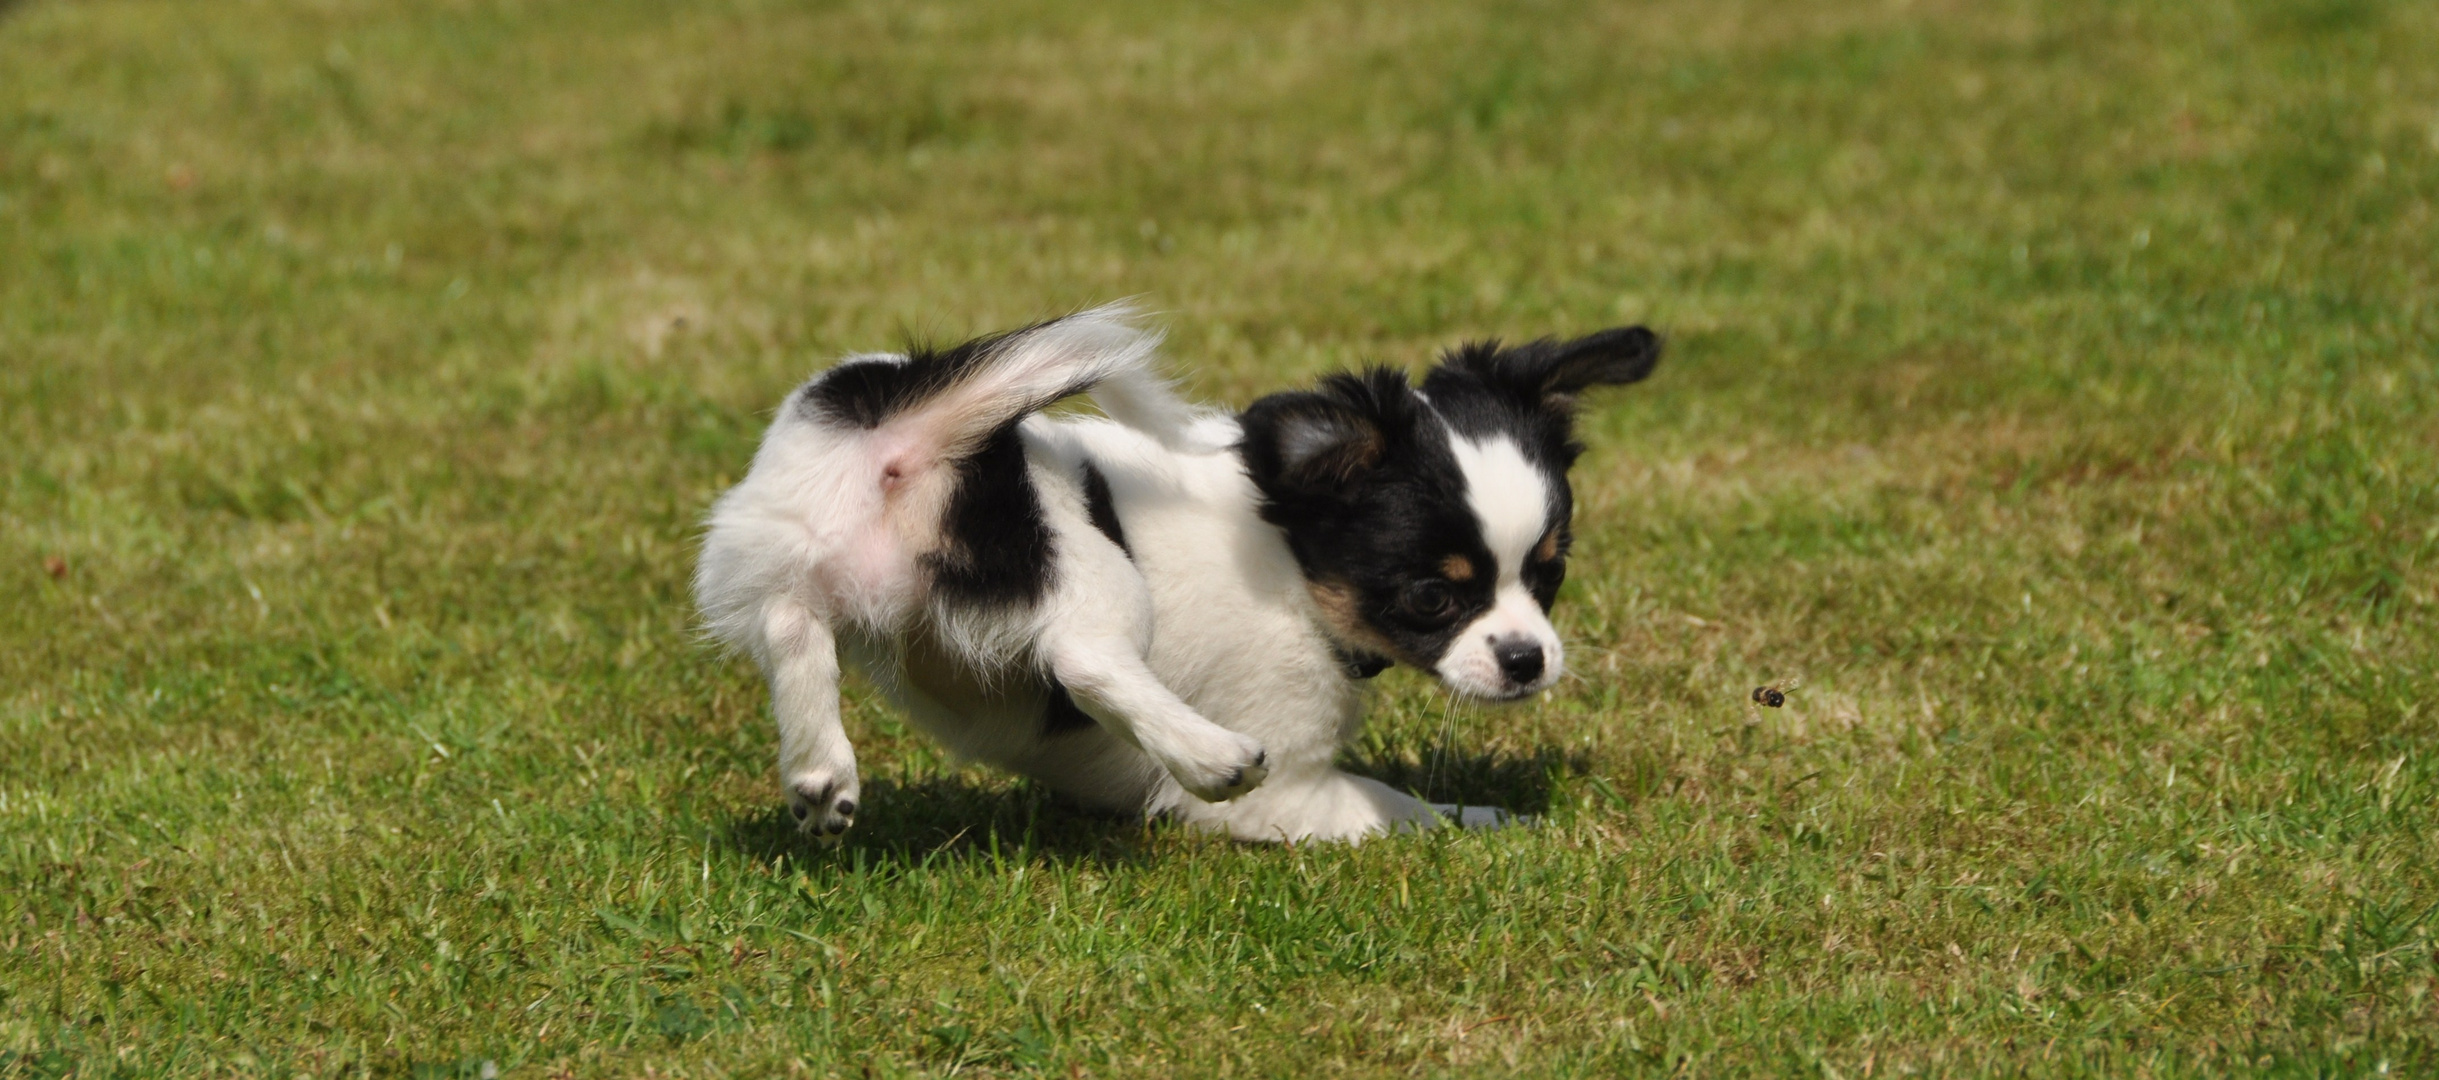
(1769, 696)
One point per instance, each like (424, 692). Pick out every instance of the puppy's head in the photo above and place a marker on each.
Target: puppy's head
(1431, 522)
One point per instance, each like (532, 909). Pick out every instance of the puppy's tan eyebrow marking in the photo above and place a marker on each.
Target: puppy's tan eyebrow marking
(1457, 568)
(1548, 548)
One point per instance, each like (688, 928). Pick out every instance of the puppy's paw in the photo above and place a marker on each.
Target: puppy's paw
(1237, 766)
(823, 801)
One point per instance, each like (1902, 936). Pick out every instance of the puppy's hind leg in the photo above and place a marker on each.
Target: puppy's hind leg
(816, 763)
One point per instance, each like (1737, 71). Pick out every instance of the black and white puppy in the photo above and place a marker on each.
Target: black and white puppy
(1167, 611)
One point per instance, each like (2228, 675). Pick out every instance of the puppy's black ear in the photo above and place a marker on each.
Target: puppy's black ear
(1550, 372)
(1325, 441)
(1609, 358)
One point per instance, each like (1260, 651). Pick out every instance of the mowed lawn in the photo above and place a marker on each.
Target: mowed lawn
(2052, 407)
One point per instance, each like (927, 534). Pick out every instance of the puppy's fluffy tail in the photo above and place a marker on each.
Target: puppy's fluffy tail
(1141, 399)
(944, 403)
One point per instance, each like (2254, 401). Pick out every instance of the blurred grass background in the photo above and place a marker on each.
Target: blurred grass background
(2052, 402)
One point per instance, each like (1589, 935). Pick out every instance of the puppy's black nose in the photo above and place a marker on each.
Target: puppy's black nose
(1519, 658)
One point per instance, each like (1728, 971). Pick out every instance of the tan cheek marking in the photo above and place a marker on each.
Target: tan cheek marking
(1548, 548)
(1457, 568)
(1339, 608)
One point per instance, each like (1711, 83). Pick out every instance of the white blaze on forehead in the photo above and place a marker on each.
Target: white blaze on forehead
(1509, 496)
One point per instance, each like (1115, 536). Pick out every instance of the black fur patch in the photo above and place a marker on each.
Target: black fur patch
(1359, 476)
(996, 546)
(1061, 715)
(1103, 509)
(1361, 665)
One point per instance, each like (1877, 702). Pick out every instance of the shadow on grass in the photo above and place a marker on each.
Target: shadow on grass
(1519, 783)
(952, 819)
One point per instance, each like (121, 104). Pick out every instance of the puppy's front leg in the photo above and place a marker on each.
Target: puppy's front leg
(816, 764)
(1111, 683)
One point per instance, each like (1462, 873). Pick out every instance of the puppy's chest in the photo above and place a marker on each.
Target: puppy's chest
(1233, 631)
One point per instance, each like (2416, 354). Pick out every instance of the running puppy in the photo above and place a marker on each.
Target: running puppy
(1168, 611)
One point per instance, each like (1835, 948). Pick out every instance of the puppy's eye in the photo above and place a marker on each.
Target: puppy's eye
(1431, 598)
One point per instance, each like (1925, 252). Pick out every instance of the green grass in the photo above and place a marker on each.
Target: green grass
(2054, 397)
